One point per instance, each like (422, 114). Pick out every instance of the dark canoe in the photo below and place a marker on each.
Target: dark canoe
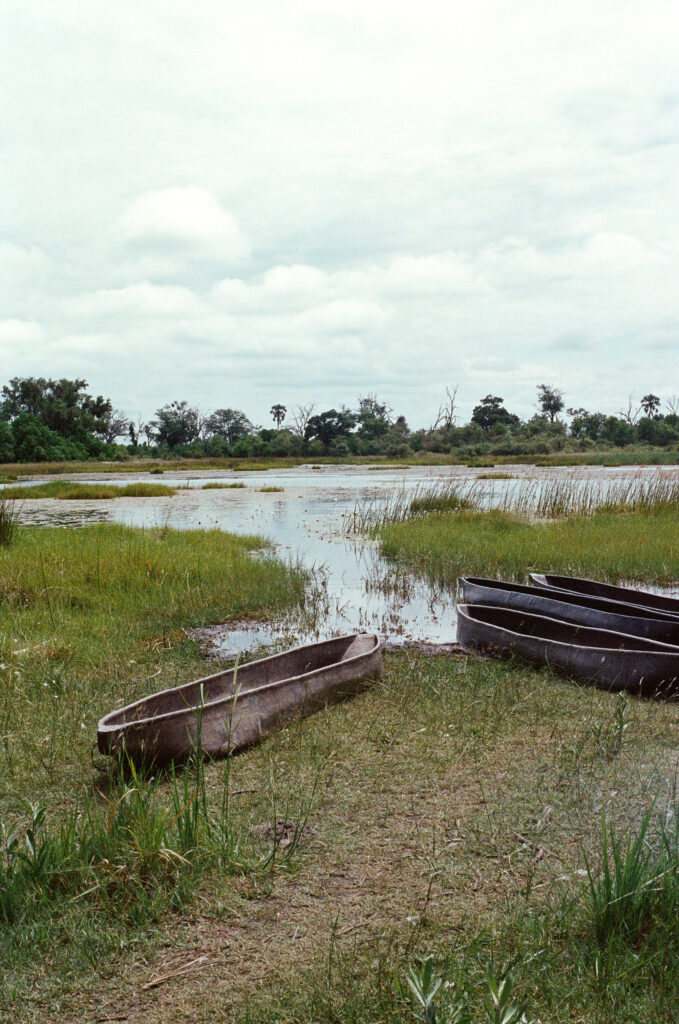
(579, 609)
(611, 660)
(627, 595)
(232, 710)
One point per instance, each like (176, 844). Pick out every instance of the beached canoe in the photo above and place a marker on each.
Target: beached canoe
(232, 710)
(580, 609)
(614, 661)
(594, 588)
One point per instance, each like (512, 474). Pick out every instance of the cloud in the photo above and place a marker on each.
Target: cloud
(187, 220)
(327, 202)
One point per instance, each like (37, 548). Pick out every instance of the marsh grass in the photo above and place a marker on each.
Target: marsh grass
(8, 522)
(538, 496)
(634, 546)
(216, 486)
(271, 490)
(67, 491)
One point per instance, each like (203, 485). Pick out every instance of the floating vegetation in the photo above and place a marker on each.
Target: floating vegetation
(270, 490)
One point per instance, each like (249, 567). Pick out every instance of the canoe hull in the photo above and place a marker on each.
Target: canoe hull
(627, 595)
(606, 659)
(233, 710)
(579, 609)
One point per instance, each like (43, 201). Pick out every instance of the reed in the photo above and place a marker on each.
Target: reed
(8, 522)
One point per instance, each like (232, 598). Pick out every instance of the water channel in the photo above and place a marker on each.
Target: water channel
(355, 588)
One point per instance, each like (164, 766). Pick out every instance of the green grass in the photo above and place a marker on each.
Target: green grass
(271, 490)
(636, 546)
(67, 491)
(91, 619)
(215, 486)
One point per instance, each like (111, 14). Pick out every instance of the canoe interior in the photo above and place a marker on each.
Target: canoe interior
(467, 584)
(543, 628)
(245, 678)
(628, 595)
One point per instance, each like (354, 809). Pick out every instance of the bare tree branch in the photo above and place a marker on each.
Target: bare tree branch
(299, 419)
(631, 415)
(446, 416)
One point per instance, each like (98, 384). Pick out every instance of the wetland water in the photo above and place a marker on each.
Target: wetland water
(354, 587)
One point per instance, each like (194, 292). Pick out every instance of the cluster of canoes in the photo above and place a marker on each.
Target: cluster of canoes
(614, 637)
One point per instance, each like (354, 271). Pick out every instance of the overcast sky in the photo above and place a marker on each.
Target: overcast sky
(242, 204)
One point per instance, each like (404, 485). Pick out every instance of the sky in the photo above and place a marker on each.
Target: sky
(246, 204)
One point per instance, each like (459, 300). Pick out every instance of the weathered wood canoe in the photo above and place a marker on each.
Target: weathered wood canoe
(610, 660)
(234, 709)
(669, 605)
(580, 609)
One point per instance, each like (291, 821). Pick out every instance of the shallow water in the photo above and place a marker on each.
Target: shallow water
(355, 588)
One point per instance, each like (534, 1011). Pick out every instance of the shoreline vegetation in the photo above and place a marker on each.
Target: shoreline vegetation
(622, 530)
(463, 834)
(640, 456)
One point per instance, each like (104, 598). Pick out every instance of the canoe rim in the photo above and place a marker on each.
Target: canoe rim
(656, 647)
(104, 727)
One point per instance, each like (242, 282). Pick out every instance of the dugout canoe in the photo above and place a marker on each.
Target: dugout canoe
(628, 595)
(611, 660)
(231, 710)
(579, 609)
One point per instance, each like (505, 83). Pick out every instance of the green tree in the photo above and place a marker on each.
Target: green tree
(650, 404)
(229, 424)
(278, 412)
(175, 424)
(373, 417)
(63, 406)
(330, 425)
(550, 401)
(490, 412)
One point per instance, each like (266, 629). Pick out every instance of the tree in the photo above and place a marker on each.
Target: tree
(301, 417)
(117, 424)
(175, 424)
(63, 406)
(278, 412)
(490, 412)
(446, 416)
(650, 404)
(373, 417)
(229, 424)
(330, 425)
(550, 401)
(6, 442)
(630, 415)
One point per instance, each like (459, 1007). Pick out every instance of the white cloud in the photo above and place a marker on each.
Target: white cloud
(374, 197)
(184, 219)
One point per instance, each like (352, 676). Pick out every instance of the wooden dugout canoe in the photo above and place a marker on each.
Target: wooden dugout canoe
(611, 660)
(234, 709)
(579, 609)
(669, 605)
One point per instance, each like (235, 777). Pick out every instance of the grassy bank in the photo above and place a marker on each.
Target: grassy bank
(91, 619)
(617, 529)
(450, 811)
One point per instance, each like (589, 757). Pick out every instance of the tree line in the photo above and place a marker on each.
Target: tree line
(52, 420)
